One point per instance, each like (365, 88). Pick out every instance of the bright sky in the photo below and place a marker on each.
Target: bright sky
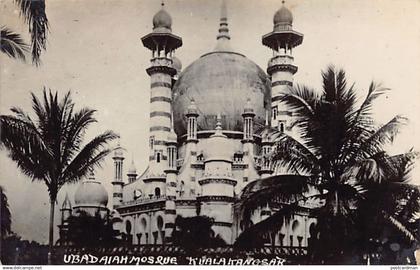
(94, 49)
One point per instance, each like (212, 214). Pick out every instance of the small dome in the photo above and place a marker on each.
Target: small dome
(91, 193)
(248, 106)
(115, 216)
(172, 138)
(192, 108)
(119, 151)
(162, 20)
(176, 64)
(283, 16)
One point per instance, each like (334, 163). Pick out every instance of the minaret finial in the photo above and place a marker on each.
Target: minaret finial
(223, 37)
(219, 122)
(91, 174)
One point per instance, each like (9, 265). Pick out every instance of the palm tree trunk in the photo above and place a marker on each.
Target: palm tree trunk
(51, 232)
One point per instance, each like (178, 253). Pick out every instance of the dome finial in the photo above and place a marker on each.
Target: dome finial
(223, 37)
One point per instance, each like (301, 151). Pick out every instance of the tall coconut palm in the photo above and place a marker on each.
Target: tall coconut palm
(340, 152)
(49, 147)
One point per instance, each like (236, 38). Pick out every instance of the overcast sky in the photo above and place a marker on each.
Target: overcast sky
(94, 50)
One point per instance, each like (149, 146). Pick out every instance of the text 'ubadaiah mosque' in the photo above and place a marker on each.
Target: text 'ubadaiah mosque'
(209, 133)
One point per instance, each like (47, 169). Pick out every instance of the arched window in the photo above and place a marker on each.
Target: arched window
(157, 192)
(158, 157)
(281, 127)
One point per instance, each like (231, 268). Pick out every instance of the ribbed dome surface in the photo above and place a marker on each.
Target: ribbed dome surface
(221, 82)
(91, 193)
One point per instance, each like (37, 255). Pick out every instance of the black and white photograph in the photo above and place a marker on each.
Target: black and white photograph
(210, 132)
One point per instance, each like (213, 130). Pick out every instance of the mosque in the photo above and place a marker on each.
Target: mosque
(210, 127)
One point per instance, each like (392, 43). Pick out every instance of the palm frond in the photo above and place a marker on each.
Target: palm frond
(399, 226)
(33, 12)
(290, 153)
(88, 157)
(385, 134)
(12, 44)
(25, 146)
(252, 237)
(279, 188)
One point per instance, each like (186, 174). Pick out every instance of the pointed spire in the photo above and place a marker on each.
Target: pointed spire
(219, 129)
(91, 174)
(66, 203)
(219, 122)
(132, 170)
(223, 37)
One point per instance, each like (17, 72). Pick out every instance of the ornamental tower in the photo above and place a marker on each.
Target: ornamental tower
(118, 182)
(162, 43)
(281, 41)
(171, 173)
(218, 184)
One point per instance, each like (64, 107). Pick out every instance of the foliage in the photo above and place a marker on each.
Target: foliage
(49, 147)
(12, 44)
(16, 251)
(340, 158)
(85, 230)
(193, 233)
(33, 12)
(5, 215)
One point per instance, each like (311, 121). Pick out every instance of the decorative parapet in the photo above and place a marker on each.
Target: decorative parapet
(143, 200)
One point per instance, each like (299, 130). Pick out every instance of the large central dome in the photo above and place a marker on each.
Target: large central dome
(221, 82)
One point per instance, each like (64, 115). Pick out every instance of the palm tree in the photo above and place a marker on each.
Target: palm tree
(49, 148)
(340, 153)
(33, 13)
(5, 215)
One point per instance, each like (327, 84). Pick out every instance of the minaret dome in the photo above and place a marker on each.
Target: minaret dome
(162, 21)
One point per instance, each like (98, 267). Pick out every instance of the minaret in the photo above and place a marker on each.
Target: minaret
(132, 172)
(192, 114)
(281, 40)
(266, 145)
(171, 173)
(162, 43)
(118, 182)
(248, 116)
